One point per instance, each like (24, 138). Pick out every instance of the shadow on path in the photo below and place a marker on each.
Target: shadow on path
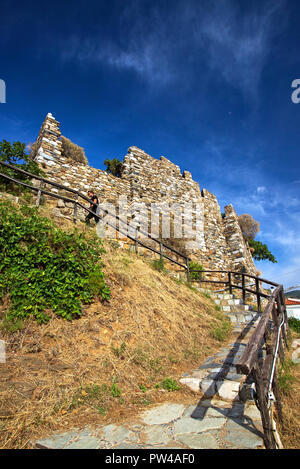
(236, 412)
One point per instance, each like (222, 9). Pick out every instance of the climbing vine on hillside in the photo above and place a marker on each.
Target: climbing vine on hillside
(45, 270)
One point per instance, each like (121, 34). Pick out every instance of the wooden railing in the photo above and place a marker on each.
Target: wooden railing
(260, 360)
(265, 348)
(122, 226)
(235, 280)
(270, 334)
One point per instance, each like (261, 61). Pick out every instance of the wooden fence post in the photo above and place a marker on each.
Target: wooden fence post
(75, 210)
(161, 251)
(258, 295)
(230, 283)
(38, 200)
(243, 286)
(200, 278)
(269, 440)
(187, 269)
(277, 318)
(284, 313)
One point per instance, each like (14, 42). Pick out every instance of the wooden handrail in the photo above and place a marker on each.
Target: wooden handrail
(264, 369)
(40, 190)
(76, 203)
(264, 372)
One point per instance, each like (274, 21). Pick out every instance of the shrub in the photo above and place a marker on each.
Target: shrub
(72, 151)
(194, 266)
(249, 226)
(45, 270)
(114, 167)
(169, 385)
(158, 264)
(294, 324)
(15, 155)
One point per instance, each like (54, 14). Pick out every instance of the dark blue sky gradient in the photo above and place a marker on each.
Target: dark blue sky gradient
(205, 83)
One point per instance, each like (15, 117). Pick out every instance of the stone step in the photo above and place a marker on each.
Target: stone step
(237, 308)
(222, 296)
(234, 301)
(241, 318)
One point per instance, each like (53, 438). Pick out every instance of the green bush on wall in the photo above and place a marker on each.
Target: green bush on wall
(193, 265)
(45, 270)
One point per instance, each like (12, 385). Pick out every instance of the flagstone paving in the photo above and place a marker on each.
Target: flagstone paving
(222, 419)
(211, 424)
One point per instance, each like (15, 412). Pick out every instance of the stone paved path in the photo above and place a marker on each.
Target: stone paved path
(223, 418)
(211, 424)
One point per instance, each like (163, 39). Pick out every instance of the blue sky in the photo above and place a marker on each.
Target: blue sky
(205, 83)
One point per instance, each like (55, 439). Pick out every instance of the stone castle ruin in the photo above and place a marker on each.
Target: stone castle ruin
(219, 241)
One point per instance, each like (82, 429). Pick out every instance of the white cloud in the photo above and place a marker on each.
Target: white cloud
(161, 46)
(238, 44)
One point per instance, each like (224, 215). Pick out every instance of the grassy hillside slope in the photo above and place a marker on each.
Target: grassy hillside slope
(115, 357)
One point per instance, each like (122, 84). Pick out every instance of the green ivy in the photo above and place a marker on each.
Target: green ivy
(45, 270)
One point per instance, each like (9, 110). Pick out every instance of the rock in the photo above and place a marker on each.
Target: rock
(60, 203)
(86, 442)
(242, 437)
(228, 390)
(156, 435)
(296, 344)
(192, 383)
(296, 356)
(208, 387)
(57, 441)
(163, 414)
(253, 413)
(115, 434)
(203, 441)
(190, 425)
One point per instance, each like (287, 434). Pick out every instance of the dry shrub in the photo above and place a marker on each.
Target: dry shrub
(72, 151)
(249, 226)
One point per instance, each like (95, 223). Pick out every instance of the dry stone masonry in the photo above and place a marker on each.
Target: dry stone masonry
(220, 244)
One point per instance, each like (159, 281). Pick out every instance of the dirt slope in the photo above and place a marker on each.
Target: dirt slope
(109, 363)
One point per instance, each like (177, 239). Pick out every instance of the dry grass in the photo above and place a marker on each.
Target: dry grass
(104, 366)
(290, 391)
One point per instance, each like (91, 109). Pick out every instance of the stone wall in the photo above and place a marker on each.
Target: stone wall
(219, 244)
